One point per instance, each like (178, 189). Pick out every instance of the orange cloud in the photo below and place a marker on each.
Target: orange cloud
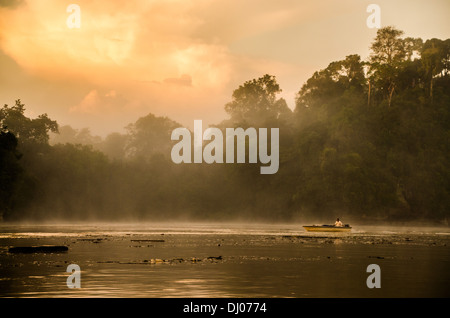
(181, 58)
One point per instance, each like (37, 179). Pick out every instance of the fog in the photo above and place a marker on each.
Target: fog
(353, 148)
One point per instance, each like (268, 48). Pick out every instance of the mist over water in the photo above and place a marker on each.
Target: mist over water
(224, 260)
(20, 229)
(366, 141)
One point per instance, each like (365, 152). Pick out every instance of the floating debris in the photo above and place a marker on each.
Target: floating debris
(108, 262)
(92, 240)
(39, 249)
(166, 261)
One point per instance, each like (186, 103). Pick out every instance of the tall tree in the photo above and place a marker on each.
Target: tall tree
(389, 50)
(10, 171)
(28, 131)
(149, 135)
(436, 60)
(325, 88)
(256, 102)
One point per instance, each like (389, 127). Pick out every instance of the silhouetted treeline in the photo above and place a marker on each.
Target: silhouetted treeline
(368, 140)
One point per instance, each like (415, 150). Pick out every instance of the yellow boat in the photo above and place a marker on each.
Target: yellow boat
(327, 228)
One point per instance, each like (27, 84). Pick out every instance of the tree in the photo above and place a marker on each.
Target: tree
(28, 131)
(412, 47)
(114, 145)
(324, 90)
(31, 137)
(256, 102)
(388, 47)
(389, 50)
(67, 134)
(436, 60)
(10, 171)
(150, 135)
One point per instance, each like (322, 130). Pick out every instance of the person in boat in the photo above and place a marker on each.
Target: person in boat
(338, 223)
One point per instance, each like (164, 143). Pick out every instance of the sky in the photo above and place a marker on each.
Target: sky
(181, 58)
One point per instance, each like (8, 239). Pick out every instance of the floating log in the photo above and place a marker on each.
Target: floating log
(93, 240)
(39, 249)
(218, 258)
(147, 241)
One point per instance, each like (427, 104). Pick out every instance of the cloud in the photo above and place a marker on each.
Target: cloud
(179, 58)
(95, 103)
(10, 3)
(184, 80)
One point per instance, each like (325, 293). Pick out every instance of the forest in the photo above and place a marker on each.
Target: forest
(368, 141)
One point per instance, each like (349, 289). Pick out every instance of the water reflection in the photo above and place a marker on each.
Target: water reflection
(225, 261)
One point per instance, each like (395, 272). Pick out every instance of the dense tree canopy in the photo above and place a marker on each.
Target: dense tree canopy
(26, 129)
(368, 140)
(255, 102)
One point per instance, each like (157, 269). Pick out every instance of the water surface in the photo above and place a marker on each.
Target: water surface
(225, 260)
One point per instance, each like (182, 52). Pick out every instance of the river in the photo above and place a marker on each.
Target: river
(224, 260)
